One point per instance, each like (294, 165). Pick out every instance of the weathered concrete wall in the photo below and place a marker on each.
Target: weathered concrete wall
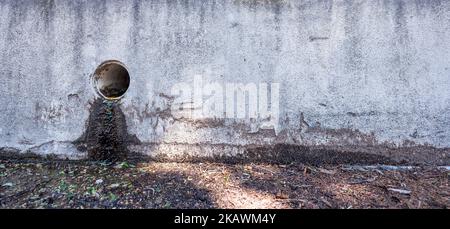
(351, 73)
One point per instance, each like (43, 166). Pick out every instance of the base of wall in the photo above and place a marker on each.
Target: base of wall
(279, 153)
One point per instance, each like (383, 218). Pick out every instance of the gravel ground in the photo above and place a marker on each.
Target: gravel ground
(82, 184)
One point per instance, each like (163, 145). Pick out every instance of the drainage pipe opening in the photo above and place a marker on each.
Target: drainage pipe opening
(111, 79)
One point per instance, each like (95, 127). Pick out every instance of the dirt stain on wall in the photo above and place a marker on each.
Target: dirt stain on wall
(106, 137)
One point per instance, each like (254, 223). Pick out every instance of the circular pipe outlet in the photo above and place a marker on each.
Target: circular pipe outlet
(111, 79)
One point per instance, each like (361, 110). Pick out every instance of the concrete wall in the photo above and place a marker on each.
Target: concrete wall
(351, 73)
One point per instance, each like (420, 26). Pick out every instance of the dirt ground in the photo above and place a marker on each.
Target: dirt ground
(82, 184)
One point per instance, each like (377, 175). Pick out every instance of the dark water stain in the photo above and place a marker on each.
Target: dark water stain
(401, 57)
(187, 8)
(99, 9)
(400, 22)
(434, 5)
(170, 8)
(276, 7)
(48, 12)
(17, 15)
(202, 15)
(136, 11)
(353, 43)
(214, 8)
(106, 137)
(79, 9)
(285, 154)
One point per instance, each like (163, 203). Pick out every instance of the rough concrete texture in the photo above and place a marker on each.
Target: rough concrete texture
(352, 74)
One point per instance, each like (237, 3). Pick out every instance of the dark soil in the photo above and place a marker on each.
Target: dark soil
(69, 184)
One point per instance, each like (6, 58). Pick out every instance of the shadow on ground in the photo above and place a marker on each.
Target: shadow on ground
(95, 185)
